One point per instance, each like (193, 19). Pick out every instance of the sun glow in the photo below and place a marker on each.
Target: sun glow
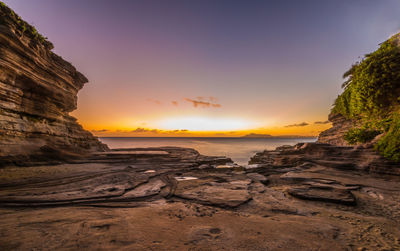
(205, 124)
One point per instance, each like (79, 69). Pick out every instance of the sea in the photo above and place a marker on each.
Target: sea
(240, 150)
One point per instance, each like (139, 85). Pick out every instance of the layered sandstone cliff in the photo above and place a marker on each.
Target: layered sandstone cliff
(37, 91)
(335, 134)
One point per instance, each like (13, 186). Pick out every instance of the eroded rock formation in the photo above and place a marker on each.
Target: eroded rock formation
(37, 91)
(368, 108)
(176, 199)
(310, 196)
(335, 134)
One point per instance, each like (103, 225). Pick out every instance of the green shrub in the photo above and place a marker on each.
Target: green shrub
(372, 85)
(389, 145)
(360, 135)
(371, 97)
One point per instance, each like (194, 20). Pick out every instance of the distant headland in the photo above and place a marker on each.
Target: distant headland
(263, 136)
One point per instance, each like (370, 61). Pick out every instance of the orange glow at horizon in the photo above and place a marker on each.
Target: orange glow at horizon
(204, 124)
(206, 127)
(165, 70)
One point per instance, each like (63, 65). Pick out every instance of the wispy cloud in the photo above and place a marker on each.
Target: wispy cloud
(148, 130)
(205, 102)
(298, 125)
(153, 101)
(175, 103)
(321, 122)
(210, 98)
(176, 131)
(198, 103)
(141, 129)
(213, 99)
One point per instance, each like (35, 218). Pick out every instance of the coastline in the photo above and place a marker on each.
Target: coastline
(62, 188)
(238, 149)
(276, 201)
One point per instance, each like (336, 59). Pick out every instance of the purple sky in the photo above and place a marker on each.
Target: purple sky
(267, 63)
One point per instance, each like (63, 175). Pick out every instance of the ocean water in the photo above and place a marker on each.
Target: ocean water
(238, 149)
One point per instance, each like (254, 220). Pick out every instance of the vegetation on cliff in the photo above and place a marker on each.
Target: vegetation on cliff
(371, 97)
(9, 17)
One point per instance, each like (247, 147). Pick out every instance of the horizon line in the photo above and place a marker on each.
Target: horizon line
(240, 137)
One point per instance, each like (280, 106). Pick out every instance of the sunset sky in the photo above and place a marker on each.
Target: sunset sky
(210, 68)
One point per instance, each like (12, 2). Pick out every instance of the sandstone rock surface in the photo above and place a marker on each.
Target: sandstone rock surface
(335, 134)
(37, 91)
(159, 198)
(311, 196)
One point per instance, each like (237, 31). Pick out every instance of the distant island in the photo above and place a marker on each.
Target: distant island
(261, 136)
(256, 135)
(63, 189)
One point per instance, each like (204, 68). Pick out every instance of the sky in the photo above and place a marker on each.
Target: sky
(210, 68)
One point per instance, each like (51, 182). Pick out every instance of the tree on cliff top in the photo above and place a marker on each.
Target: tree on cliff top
(372, 96)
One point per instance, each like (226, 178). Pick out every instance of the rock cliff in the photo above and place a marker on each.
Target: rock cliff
(37, 91)
(335, 134)
(370, 103)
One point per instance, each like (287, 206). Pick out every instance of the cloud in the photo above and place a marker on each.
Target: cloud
(205, 102)
(322, 122)
(175, 103)
(102, 130)
(197, 103)
(210, 99)
(153, 101)
(176, 131)
(213, 99)
(298, 125)
(141, 129)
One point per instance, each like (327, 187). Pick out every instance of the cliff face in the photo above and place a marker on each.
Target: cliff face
(37, 91)
(335, 134)
(370, 103)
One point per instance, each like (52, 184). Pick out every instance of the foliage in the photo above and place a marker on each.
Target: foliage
(373, 85)
(8, 16)
(389, 144)
(360, 135)
(371, 97)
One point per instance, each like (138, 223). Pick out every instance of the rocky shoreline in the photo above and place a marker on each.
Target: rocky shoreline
(175, 198)
(62, 189)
